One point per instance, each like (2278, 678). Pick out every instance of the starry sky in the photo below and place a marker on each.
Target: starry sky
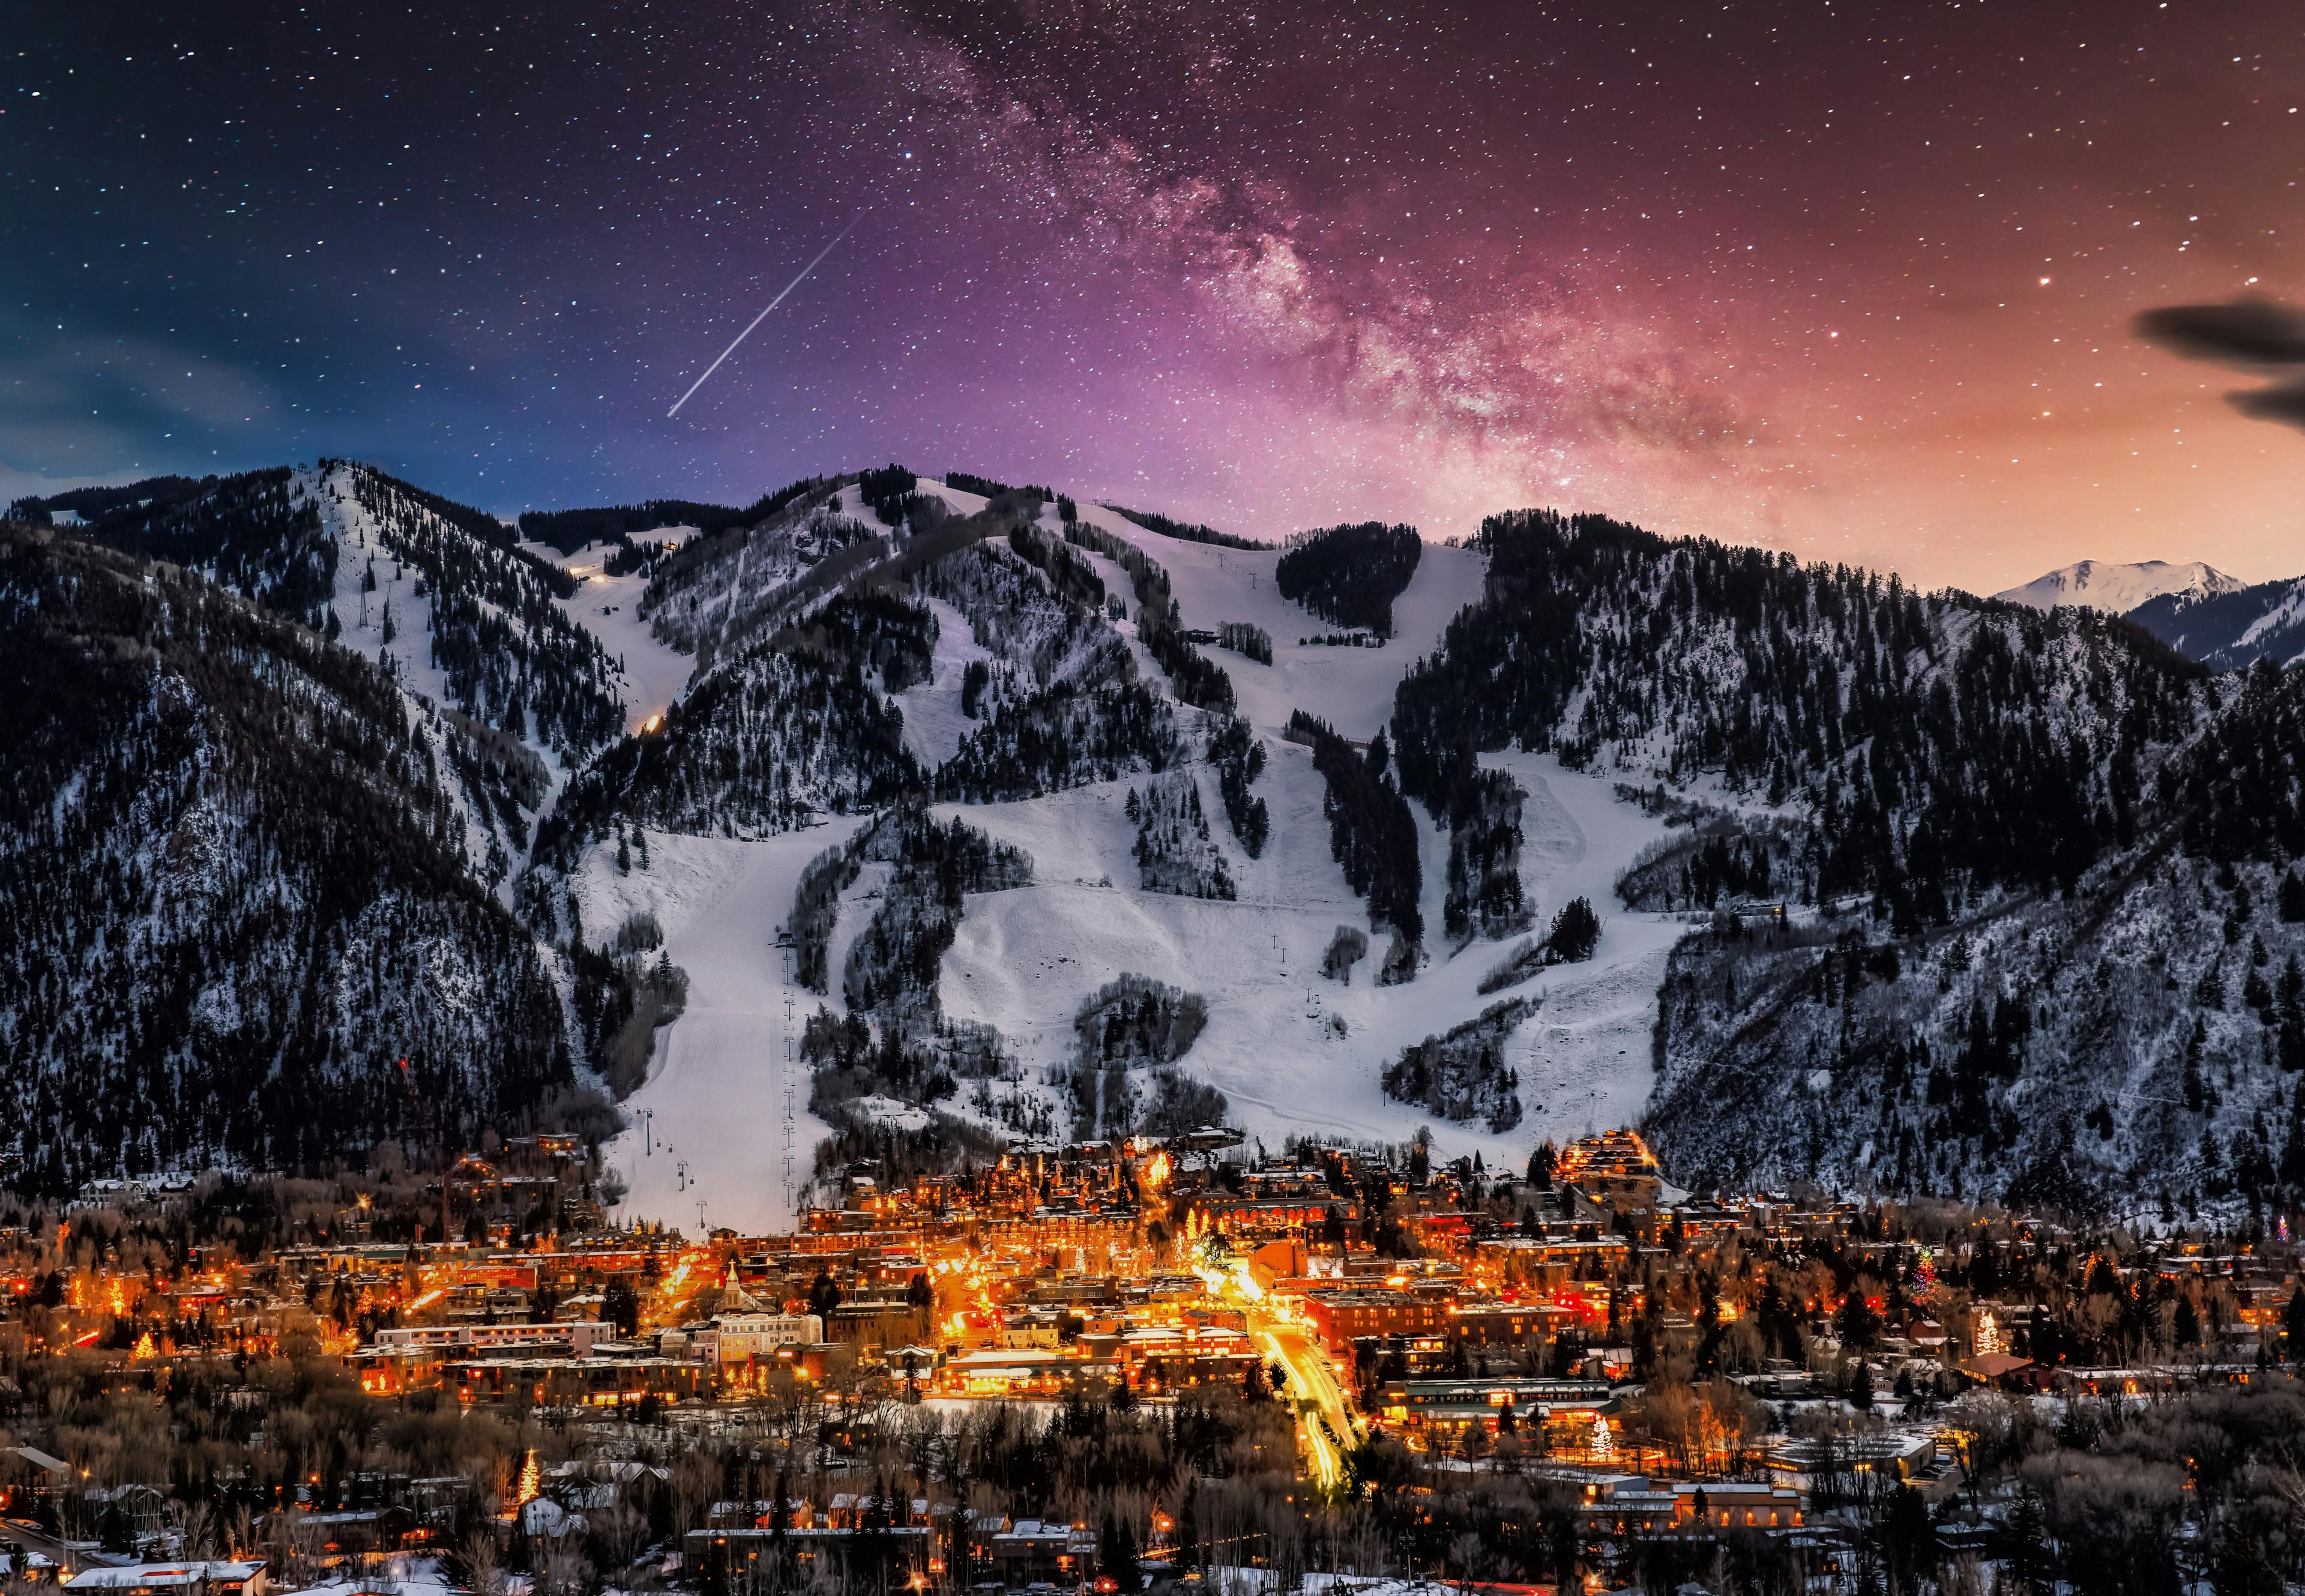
(1860, 281)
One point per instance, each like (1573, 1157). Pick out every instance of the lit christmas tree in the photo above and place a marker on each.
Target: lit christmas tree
(1604, 1445)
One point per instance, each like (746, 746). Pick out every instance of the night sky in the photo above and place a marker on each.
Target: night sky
(1855, 280)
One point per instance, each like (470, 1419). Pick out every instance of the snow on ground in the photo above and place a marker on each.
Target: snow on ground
(1585, 1058)
(652, 676)
(1292, 1052)
(392, 626)
(933, 723)
(958, 499)
(2120, 589)
(1351, 689)
(407, 1575)
(393, 607)
(707, 1126)
(1025, 959)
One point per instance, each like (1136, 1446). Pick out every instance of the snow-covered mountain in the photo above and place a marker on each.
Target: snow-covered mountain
(2120, 589)
(2197, 611)
(2229, 632)
(941, 815)
(1564, 710)
(239, 920)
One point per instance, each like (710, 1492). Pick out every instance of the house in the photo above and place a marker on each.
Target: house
(1036, 1549)
(174, 1579)
(2001, 1370)
(327, 1536)
(136, 1514)
(33, 1469)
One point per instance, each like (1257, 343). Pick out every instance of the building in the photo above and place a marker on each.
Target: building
(1632, 1504)
(1043, 1551)
(1449, 1407)
(174, 1579)
(580, 1335)
(734, 1337)
(1342, 1317)
(999, 1371)
(725, 1558)
(1507, 1324)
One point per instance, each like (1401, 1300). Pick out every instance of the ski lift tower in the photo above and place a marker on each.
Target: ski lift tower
(791, 1136)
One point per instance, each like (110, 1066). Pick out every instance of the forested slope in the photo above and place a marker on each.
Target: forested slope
(232, 896)
(2010, 884)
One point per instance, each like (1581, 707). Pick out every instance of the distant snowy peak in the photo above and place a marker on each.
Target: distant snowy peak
(2231, 631)
(2197, 609)
(2120, 589)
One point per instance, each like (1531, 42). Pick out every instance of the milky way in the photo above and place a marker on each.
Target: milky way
(1856, 281)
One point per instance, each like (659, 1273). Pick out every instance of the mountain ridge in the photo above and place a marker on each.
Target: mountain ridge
(1947, 812)
(2121, 588)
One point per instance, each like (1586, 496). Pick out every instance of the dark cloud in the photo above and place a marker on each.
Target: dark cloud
(2284, 402)
(2250, 330)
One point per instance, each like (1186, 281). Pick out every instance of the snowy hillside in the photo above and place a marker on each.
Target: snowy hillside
(650, 675)
(2231, 631)
(237, 923)
(1002, 634)
(708, 1126)
(1294, 1052)
(1350, 688)
(925, 818)
(1306, 872)
(2120, 589)
(437, 595)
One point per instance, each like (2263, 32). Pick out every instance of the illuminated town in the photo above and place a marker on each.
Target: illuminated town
(1179, 1362)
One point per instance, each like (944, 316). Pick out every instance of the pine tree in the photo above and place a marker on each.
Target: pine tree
(2209, 991)
(2291, 999)
(2026, 1559)
(2255, 992)
(1542, 1164)
(2242, 1568)
(1116, 1553)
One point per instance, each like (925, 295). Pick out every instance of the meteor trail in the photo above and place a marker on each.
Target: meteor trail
(756, 320)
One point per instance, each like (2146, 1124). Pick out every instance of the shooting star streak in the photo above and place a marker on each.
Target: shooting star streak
(756, 320)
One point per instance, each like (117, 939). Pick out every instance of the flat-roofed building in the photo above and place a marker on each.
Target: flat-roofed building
(733, 1338)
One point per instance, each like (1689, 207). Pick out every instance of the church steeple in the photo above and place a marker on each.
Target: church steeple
(734, 1297)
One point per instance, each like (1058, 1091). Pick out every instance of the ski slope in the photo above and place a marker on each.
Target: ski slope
(706, 1128)
(652, 676)
(1025, 959)
(933, 723)
(1293, 1053)
(1351, 689)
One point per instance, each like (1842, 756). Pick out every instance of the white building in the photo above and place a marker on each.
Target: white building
(581, 1334)
(735, 1337)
